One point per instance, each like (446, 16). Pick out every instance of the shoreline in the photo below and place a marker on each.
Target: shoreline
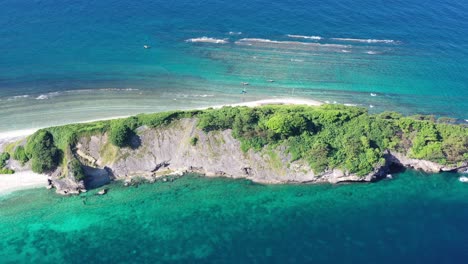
(21, 181)
(7, 136)
(29, 180)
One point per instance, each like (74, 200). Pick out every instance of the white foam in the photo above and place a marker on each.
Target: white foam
(251, 41)
(16, 97)
(207, 40)
(305, 37)
(370, 52)
(371, 106)
(345, 51)
(297, 60)
(373, 94)
(42, 97)
(387, 41)
(233, 33)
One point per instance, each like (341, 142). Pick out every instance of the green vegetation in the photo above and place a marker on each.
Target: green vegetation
(335, 136)
(42, 151)
(327, 137)
(4, 157)
(6, 171)
(20, 155)
(120, 134)
(76, 169)
(194, 141)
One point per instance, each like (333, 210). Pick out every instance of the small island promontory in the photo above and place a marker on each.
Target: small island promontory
(271, 143)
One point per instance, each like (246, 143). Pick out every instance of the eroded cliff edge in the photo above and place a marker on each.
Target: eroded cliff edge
(157, 152)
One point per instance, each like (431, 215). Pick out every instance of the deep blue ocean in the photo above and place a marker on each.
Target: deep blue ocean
(66, 61)
(85, 59)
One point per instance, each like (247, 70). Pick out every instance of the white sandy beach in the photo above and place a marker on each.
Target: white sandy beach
(21, 180)
(28, 179)
(278, 101)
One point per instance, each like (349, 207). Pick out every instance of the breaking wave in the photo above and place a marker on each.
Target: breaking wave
(305, 37)
(16, 97)
(386, 41)
(207, 40)
(252, 41)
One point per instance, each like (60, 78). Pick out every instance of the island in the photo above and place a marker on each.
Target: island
(270, 143)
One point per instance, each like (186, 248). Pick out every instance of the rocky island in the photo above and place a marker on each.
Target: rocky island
(266, 144)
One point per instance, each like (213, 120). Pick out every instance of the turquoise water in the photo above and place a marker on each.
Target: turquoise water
(78, 60)
(67, 61)
(415, 218)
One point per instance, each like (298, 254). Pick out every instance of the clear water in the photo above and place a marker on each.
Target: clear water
(66, 61)
(78, 60)
(415, 218)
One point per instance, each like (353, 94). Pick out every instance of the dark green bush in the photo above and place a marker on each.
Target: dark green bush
(4, 157)
(120, 134)
(194, 141)
(42, 151)
(76, 169)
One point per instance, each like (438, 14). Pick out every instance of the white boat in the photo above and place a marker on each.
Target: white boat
(147, 46)
(463, 179)
(373, 94)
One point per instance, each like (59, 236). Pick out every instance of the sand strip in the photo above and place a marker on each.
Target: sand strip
(21, 180)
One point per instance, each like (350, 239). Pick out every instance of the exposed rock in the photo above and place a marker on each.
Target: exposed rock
(424, 165)
(167, 151)
(417, 164)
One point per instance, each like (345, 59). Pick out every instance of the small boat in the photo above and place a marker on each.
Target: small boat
(371, 106)
(373, 94)
(147, 46)
(244, 83)
(463, 179)
(271, 80)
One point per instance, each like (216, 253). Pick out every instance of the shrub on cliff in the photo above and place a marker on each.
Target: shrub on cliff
(120, 134)
(194, 141)
(42, 151)
(76, 170)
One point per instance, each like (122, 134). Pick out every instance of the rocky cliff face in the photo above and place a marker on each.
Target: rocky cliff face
(168, 150)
